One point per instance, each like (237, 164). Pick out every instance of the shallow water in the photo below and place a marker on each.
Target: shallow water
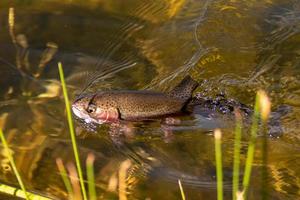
(231, 47)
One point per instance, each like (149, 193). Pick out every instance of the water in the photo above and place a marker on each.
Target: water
(231, 47)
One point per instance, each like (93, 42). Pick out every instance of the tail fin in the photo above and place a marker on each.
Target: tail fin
(184, 89)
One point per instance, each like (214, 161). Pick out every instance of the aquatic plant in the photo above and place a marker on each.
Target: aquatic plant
(90, 176)
(265, 105)
(73, 175)
(261, 111)
(70, 178)
(218, 152)
(251, 146)
(12, 163)
(64, 175)
(236, 155)
(12, 190)
(16, 192)
(181, 190)
(125, 165)
(71, 129)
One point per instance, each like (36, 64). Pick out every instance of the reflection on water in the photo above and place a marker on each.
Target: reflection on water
(231, 47)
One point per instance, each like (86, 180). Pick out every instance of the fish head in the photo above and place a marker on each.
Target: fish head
(90, 109)
(81, 108)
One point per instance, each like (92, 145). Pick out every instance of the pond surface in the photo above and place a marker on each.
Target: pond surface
(230, 47)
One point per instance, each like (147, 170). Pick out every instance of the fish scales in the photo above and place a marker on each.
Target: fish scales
(143, 104)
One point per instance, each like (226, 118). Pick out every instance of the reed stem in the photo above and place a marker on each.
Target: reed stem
(90, 176)
(72, 132)
(181, 190)
(251, 147)
(64, 175)
(265, 109)
(264, 188)
(12, 163)
(236, 160)
(16, 192)
(218, 152)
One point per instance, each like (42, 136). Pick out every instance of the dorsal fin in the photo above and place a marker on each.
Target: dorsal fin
(184, 89)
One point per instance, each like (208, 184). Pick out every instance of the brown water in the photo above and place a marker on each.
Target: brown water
(233, 47)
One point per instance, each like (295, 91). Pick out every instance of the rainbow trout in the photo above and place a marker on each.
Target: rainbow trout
(111, 106)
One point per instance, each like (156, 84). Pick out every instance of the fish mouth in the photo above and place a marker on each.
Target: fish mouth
(80, 114)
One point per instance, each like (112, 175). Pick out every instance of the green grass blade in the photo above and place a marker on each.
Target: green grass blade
(236, 160)
(181, 190)
(265, 175)
(90, 175)
(12, 163)
(16, 192)
(64, 176)
(218, 152)
(251, 147)
(265, 109)
(72, 132)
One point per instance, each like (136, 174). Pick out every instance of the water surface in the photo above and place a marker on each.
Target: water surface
(231, 47)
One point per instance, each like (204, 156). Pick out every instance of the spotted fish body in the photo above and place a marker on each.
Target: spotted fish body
(110, 106)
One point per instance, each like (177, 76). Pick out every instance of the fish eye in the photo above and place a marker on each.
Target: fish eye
(91, 108)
